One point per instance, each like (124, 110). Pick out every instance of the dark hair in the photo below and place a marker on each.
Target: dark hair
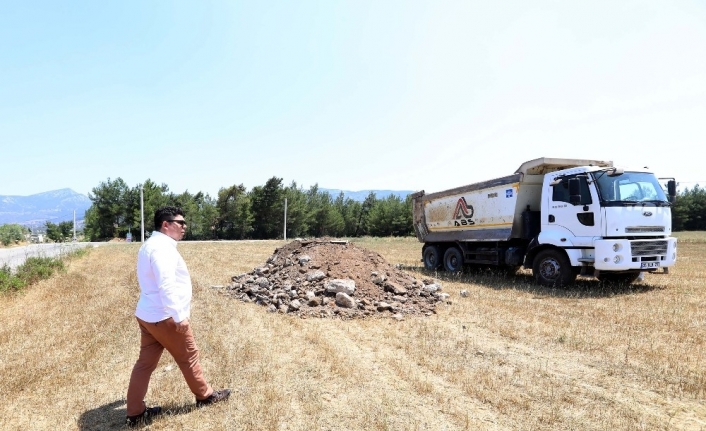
(166, 213)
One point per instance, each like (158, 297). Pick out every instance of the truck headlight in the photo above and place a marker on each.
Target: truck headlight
(617, 259)
(617, 247)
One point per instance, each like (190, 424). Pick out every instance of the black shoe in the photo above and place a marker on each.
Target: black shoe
(216, 397)
(144, 417)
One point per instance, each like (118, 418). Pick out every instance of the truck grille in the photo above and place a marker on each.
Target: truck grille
(648, 248)
(644, 229)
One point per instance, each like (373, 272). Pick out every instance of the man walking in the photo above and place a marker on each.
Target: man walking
(163, 316)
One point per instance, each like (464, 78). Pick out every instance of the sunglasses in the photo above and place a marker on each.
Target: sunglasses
(182, 223)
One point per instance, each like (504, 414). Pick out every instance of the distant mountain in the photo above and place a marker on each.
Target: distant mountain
(362, 194)
(35, 210)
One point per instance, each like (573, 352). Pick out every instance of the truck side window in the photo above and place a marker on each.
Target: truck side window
(561, 191)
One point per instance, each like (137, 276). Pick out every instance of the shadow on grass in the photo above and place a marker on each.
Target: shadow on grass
(521, 281)
(112, 416)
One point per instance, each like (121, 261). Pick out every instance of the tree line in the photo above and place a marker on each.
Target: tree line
(689, 211)
(238, 213)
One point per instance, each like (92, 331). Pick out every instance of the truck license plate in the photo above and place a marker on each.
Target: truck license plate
(649, 265)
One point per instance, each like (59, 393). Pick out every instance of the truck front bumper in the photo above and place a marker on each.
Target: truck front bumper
(639, 254)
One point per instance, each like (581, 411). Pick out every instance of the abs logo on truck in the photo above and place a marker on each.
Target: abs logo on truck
(463, 213)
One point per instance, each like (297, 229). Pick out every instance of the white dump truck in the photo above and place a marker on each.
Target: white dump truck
(558, 217)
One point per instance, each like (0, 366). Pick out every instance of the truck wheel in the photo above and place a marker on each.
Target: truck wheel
(618, 278)
(431, 257)
(453, 260)
(552, 268)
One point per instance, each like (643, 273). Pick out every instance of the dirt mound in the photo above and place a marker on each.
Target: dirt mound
(330, 278)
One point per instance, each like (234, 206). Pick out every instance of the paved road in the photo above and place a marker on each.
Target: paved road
(16, 256)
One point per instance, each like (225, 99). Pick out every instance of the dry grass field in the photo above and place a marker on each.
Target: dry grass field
(509, 356)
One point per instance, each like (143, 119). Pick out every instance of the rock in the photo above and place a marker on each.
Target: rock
(313, 302)
(443, 296)
(378, 279)
(238, 277)
(304, 259)
(345, 301)
(464, 294)
(431, 288)
(315, 276)
(263, 282)
(346, 286)
(384, 306)
(395, 288)
(294, 305)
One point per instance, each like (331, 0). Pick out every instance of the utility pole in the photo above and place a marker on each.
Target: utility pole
(142, 212)
(74, 225)
(285, 219)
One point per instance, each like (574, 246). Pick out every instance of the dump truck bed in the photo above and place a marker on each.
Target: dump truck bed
(490, 210)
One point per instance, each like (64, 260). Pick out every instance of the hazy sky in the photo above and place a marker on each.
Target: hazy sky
(403, 95)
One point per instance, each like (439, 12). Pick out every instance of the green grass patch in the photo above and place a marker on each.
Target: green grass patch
(8, 281)
(38, 268)
(33, 270)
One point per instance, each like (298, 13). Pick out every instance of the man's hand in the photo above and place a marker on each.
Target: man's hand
(183, 326)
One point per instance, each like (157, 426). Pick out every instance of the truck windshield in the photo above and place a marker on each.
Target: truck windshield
(630, 188)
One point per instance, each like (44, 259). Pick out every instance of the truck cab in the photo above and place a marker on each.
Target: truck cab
(608, 221)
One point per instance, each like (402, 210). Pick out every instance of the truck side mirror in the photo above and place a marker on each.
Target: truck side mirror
(574, 191)
(672, 190)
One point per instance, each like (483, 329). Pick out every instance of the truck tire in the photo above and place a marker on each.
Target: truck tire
(431, 257)
(453, 260)
(618, 278)
(552, 268)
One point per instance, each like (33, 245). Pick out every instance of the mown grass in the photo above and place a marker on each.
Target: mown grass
(691, 236)
(508, 355)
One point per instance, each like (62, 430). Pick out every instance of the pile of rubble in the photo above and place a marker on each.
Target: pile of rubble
(331, 278)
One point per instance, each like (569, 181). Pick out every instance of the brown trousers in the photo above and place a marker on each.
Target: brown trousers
(154, 339)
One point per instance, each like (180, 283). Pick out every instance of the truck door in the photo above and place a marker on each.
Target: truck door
(583, 219)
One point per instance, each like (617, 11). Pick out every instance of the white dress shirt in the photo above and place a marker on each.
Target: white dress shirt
(165, 283)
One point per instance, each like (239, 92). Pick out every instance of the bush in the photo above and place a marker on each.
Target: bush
(33, 270)
(9, 282)
(11, 234)
(38, 268)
